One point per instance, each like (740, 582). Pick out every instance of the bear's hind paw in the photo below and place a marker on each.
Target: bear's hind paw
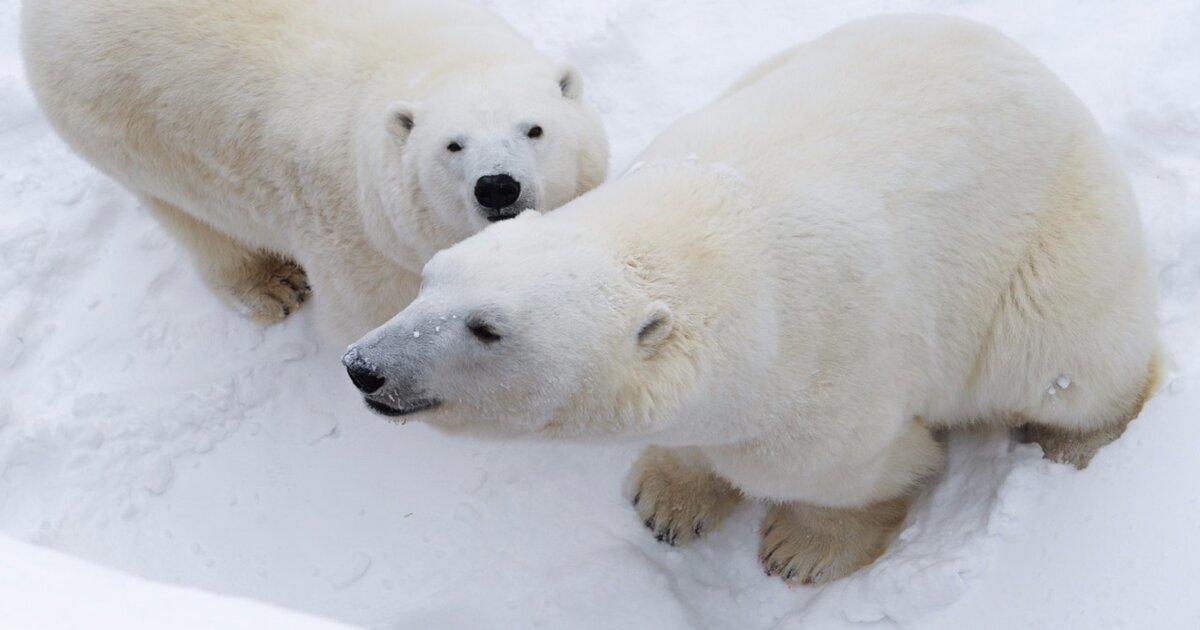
(1071, 447)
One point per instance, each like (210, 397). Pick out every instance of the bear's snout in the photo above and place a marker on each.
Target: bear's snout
(385, 390)
(362, 375)
(498, 193)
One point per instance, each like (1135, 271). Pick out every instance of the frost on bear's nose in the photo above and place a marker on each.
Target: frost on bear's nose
(361, 374)
(498, 193)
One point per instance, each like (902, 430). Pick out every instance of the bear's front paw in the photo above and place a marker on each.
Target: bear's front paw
(806, 544)
(271, 288)
(677, 496)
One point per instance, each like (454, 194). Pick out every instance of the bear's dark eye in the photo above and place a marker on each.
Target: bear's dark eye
(535, 132)
(454, 147)
(482, 331)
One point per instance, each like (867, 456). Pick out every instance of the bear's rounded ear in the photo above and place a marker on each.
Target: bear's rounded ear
(399, 118)
(657, 323)
(570, 82)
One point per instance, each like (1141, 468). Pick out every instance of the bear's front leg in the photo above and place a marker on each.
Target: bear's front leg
(677, 495)
(262, 285)
(830, 517)
(807, 544)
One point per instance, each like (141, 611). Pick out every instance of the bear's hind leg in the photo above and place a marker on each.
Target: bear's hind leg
(677, 495)
(1077, 446)
(809, 544)
(260, 284)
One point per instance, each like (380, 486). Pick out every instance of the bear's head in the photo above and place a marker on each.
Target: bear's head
(534, 327)
(484, 145)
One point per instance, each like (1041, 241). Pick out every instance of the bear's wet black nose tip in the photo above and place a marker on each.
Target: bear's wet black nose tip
(365, 379)
(496, 192)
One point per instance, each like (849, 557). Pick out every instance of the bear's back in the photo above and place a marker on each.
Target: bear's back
(903, 168)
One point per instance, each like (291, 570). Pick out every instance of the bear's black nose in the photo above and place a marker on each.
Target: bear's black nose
(367, 381)
(497, 192)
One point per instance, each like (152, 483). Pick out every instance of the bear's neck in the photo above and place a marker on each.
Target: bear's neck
(685, 232)
(395, 217)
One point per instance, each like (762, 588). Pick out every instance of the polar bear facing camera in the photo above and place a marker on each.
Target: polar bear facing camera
(905, 225)
(340, 144)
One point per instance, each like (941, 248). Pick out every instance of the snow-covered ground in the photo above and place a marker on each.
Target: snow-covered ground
(48, 590)
(145, 427)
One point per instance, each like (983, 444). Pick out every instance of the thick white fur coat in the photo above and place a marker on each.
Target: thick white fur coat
(909, 223)
(260, 125)
(939, 236)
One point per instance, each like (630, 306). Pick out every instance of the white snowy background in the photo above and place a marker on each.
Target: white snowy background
(146, 428)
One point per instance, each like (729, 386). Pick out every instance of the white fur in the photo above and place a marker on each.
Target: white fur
(907, 223)
(283, 125)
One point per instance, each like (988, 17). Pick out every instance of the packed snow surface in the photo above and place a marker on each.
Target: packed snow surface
(145, 427)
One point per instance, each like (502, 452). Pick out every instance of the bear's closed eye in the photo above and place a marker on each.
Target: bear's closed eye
(483, 331)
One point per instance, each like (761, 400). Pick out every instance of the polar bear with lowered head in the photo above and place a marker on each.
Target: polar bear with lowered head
(334, 143)
(908, 224)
